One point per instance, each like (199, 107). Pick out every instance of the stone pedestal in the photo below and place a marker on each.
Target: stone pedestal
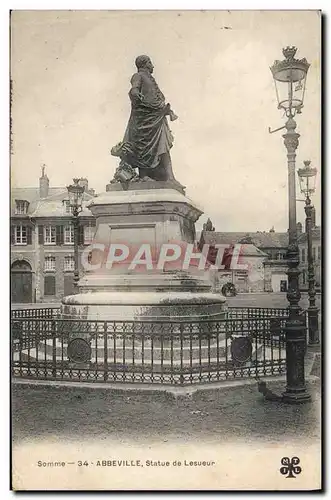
(150, 214)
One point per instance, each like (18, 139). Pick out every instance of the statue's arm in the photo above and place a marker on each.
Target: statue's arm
(135, 94)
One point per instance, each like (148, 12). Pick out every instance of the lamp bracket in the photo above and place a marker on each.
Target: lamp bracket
(276, 129)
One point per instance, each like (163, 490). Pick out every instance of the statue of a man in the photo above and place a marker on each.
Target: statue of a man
(147, 139)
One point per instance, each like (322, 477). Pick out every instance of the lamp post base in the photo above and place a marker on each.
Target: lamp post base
(296, 397)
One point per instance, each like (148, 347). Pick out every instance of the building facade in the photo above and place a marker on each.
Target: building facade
(243, 268)
(264, 254)
(317, 257)
(42, 241)
(42, 248)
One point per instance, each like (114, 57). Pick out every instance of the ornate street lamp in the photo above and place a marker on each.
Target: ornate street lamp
(76, 193)
(307, 177)
(290, 81)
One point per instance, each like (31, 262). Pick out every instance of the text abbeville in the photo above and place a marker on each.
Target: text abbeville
(119, 463)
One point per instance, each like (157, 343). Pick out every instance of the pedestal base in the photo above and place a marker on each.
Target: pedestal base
(135, 306)
(152, 214)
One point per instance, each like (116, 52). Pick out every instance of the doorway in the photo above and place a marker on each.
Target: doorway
(21, 282)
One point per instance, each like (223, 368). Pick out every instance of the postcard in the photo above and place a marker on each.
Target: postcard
(166, 265)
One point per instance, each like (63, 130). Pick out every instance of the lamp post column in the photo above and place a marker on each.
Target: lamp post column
(76, 256)
(296, 391)
(312, 309)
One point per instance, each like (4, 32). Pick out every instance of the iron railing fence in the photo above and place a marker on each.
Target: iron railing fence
(35, 313)
(257, 312)
(149, 351)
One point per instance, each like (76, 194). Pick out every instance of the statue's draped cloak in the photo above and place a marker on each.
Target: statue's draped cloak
(148, 131)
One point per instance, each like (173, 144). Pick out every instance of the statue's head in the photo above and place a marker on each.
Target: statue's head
(144, 62)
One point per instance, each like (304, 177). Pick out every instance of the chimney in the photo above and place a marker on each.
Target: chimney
(299, 228)
(43, 183)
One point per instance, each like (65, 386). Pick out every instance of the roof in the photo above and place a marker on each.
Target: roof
(316, 234)
(52, 206)
(31, 194)
(259, 239)
(249, 250)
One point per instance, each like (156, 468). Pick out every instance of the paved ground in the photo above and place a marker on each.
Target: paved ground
(241, 300)
(268, 300)
(236, 413)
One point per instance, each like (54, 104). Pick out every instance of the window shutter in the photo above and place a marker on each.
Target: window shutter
(29, 235)
(59, 235)
(49, 285)
(12, 235)
(41, 235)
(81, 235)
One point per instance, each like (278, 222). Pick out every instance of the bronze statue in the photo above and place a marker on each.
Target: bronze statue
(147, 139)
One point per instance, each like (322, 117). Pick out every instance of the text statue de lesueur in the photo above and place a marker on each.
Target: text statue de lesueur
(145, 149)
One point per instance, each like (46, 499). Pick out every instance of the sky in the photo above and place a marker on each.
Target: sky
(71, 75)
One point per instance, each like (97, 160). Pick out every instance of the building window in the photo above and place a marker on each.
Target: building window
(49, 264)
(69, 235)
(303, 254)
(21, 235)
(303, 277)
(319, 253)
(21, 207)
(68, 207)
(69, 263)
(50, 235)
(49, 285)
(89, 232)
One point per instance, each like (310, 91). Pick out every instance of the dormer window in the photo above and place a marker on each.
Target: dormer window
(68, 207)
(21, 207)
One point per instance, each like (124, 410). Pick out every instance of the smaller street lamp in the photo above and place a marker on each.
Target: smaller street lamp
(307, 177)
(76, 193)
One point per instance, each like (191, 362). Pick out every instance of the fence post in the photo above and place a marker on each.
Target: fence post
(181, 377)
(53, 326)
